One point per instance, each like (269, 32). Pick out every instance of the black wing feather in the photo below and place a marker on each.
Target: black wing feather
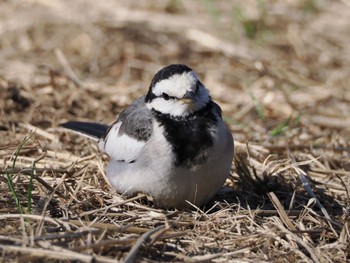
(92, 129)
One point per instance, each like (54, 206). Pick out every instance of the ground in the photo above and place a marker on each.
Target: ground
(280, 72)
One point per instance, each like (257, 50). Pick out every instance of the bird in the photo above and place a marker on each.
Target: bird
(171, 144)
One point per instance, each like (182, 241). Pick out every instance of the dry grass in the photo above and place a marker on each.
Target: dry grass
(280, 71)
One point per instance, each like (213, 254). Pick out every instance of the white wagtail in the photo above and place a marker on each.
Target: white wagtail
(171, 144)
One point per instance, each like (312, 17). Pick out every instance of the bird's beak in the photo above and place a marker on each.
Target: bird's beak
(189, 97)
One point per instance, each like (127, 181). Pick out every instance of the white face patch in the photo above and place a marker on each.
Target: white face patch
(176, 87)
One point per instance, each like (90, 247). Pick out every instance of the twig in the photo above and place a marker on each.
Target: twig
(57, 222)
(306, 185)
(67, 235)
(129, 229)
(27, 171)
(215, 44)
(39, 131)
(329, 171)
(140, 196)
(67, 68)
(300, 241)
(331, 122)
(63, 254)
(279, 148)
(282, 213)
(132, 253)
(41, 222)
(105, 243)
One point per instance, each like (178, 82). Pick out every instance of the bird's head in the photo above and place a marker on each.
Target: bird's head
(176, 90)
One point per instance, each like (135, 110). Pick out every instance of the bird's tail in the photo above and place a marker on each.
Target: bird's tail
(88, 129)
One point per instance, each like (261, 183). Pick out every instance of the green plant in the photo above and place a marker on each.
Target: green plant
(258, 108)
(9, 177)
(282, 127)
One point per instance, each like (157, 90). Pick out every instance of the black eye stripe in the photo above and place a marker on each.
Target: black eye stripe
(167, 97)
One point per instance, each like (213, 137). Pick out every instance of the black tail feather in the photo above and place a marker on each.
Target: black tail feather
(90, 129)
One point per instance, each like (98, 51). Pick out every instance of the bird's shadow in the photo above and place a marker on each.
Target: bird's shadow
(251, 191)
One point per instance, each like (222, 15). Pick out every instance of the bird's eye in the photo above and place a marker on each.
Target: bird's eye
(165, 96)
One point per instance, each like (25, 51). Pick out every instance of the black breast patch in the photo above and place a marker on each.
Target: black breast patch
(189, 136)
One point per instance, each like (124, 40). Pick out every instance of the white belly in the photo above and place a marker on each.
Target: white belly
(156, 175)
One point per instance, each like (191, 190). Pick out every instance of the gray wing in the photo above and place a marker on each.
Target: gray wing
(136, 121)
(128, 135)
